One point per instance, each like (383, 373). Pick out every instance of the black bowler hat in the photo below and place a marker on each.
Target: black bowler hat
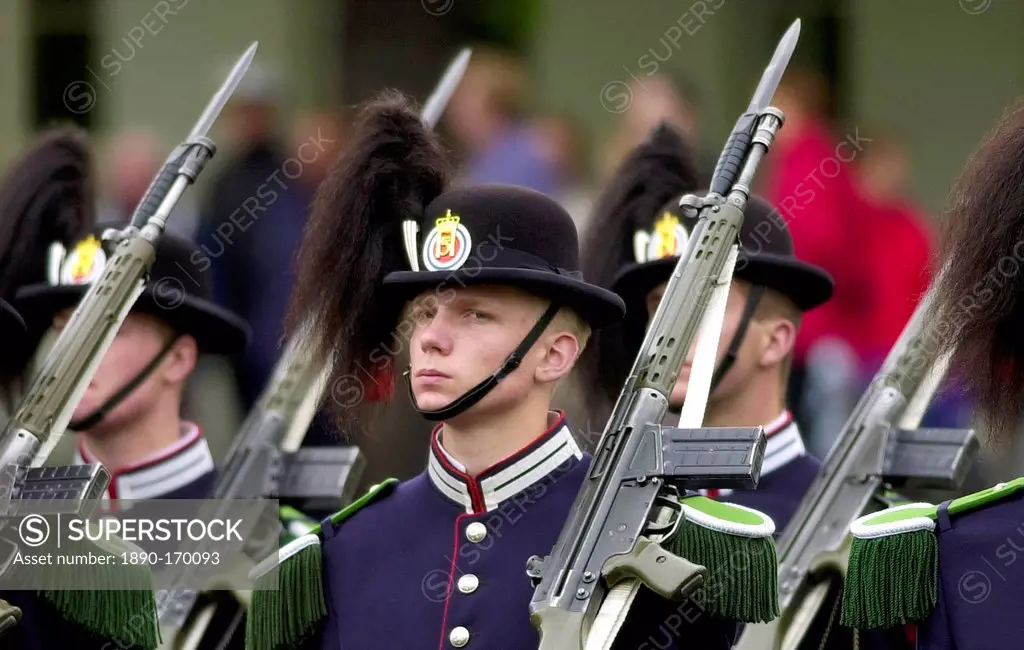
(177, 293)
(12, 327)
(766, 257)
(506, 235)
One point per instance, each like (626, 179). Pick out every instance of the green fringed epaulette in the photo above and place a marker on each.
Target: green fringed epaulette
(892, 576)
(114, 600)
(735, 544)
(893, 573)
(288, 602)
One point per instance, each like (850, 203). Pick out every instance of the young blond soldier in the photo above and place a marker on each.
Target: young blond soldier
(496, 314)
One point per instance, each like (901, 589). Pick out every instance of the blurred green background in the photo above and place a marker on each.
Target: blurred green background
(936, 72)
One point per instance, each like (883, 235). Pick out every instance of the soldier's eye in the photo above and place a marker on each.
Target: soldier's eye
(422, 315)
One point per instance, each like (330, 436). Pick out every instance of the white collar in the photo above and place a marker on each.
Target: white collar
(167, 470)
(448, 457)
(784, 445)
(505, 479)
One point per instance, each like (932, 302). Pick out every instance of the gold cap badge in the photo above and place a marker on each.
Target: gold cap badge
(447, 246)
(669, 238)
(85, 263)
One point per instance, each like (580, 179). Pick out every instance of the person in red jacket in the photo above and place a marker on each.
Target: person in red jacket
(900, 246)
(899, 250)
(809, 179)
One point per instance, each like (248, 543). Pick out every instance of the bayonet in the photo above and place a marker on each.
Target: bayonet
(220, 100)
(739, 140)
(177, 172)
(434, 107)
(769, 82)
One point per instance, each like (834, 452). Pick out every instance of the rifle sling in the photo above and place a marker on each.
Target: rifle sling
(756, 291)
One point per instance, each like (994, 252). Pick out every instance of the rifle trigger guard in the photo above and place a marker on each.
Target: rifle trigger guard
(668, 516)
(667, 575)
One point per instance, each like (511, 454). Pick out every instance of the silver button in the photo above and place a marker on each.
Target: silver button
(475, 532)
(468, 583)
(459, 637)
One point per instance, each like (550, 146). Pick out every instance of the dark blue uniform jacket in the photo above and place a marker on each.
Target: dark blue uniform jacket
(981, 579)
(441, 562)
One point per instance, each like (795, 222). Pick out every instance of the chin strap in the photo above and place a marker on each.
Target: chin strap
(753, 298)
(97, 415)
(477, 393)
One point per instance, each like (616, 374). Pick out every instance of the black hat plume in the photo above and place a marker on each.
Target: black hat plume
(978, 307)
(390, 170)
(46, 197)
(661, 168)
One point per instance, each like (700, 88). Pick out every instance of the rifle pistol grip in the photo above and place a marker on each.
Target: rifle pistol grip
(667, 575)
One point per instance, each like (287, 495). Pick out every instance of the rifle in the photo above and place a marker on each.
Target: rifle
(880, 447)
(639, 465)
(265, 459)
(49, 403)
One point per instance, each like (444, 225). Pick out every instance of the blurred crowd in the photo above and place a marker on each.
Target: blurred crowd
(844, 192)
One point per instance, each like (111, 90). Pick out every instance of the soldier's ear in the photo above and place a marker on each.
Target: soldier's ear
(181, 359)
(778, 340)
(559, 357)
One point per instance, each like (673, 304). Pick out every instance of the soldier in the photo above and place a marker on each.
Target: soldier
(46, 197)
(47, 620)
(483, 285)
(129, 417)
(636, 238)
(953, 566)
(771, 289)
